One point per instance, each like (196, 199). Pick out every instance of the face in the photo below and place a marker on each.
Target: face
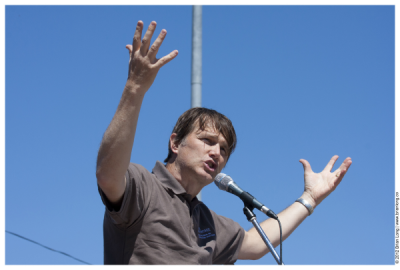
(202, 155)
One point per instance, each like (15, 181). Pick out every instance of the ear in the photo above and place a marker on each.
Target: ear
(173, 144)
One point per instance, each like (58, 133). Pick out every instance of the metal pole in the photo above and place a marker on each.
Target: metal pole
(248, 212)
(196, 56)
(196, 60)
(266, 240)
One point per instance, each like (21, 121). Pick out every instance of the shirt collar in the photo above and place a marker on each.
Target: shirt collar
(166, 179)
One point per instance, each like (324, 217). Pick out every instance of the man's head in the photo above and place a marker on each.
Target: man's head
(198, 119)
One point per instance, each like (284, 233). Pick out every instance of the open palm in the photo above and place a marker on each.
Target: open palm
(319, 185)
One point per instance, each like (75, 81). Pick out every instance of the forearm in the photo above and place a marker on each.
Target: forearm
(290, 219)
(116, 146)
(316, 188)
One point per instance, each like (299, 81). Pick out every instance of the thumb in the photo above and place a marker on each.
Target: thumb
(306, 166)
(129, 47)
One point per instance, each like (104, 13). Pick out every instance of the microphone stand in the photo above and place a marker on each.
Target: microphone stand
(248, 212)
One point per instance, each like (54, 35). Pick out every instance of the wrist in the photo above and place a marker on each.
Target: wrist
(309, 199)
(135, 88)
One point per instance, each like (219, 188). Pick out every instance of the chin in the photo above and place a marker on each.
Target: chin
(207, 177)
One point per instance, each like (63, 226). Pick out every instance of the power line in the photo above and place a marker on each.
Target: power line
(46, 247)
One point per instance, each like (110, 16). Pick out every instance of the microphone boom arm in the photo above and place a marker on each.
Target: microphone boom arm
(248, 211)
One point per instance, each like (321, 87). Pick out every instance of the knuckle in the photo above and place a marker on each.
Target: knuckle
(136, 55)
(161, 61)
(153, 48)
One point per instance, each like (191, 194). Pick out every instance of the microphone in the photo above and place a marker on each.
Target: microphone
(225, 182)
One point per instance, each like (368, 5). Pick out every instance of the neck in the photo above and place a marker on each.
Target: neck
(192, 188)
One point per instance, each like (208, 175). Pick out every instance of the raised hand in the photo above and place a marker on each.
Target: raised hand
(317, 186)
(143, 64)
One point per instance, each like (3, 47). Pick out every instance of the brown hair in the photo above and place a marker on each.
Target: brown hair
(202, 117)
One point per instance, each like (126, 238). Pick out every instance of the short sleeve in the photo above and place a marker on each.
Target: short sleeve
(135, 198)
(230, 236)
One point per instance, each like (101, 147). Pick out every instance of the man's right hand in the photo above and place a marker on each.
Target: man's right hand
(143, 64)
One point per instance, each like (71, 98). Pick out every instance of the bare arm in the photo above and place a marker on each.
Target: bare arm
(317, 186)
(116, 147)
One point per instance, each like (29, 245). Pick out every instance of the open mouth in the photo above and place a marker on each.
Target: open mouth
(211, 165)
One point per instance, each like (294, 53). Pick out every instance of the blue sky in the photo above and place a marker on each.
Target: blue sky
(297, 82)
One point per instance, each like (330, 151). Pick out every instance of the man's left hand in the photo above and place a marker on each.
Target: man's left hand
(317, 186)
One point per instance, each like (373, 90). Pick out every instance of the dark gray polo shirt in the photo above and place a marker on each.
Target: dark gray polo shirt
(159, 223)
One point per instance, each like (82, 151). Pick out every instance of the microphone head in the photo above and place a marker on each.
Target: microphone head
(222, 181)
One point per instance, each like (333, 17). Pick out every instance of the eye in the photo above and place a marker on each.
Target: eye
(223, 151)
(208, 141)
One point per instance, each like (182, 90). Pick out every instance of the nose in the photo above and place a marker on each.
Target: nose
(215, 151)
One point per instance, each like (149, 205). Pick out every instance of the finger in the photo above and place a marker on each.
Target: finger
(306, 166)
(346, 164)
(147, 38)
(344, 167)
(156, 45)
(162, 61)
(331, 162)
(136, 43)
(129, 47)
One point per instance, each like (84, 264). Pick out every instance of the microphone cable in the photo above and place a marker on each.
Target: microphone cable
(271, 214)
(280, 229)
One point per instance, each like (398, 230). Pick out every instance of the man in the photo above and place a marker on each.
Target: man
(155, 218)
